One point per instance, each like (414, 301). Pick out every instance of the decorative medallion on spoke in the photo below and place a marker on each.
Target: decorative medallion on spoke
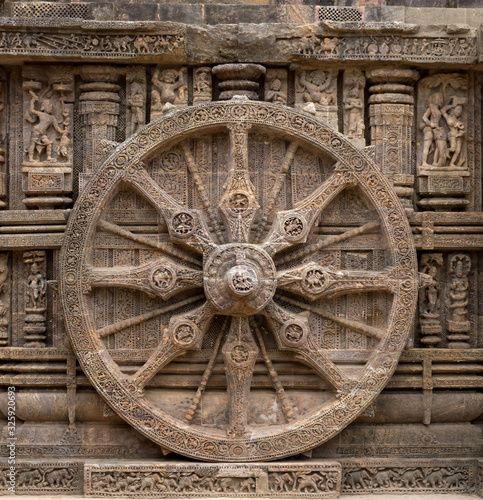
(242, 316)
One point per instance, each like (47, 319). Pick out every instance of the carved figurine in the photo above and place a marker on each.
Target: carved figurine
(39, 139)
(460, 265)
(135, 103)
(36, 286)
(457, 130)
(316, 87)
(429, 299)
(169, 87)
(202, 85)
(434, 135)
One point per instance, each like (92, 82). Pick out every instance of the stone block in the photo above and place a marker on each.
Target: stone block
(301, 14)
(384, 14)
(189, 14)
(233, 14)
(137, 12)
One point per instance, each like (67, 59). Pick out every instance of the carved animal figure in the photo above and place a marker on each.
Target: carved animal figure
(226, 484)
(29, 478)
(453, 479)
(148, 482)
(281, 482)
(59, 477)
(383, 478)
(410, 478)
(434, 479)
(358, 477)
(306, 484)
(187, 483)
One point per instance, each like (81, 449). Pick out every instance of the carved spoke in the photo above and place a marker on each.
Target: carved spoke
(240, 354)
(161, 278)
(238, 203)
(185, 332)
(279, 180)
(289, 409)
(136, 320)
(356, 326)
(314, 282)
(291, 227)
(292, 333)
(331, 240)
(193, 168)
(147, 187)
(164, 248)
(187, 227)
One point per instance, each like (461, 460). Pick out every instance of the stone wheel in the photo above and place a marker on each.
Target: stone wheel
(234, 275)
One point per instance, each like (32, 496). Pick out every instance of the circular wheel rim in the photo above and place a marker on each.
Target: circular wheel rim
(353, 166)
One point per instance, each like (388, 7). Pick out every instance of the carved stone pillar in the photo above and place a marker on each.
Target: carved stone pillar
(430, 299)
(391, 115)
(354, 84)
(48, 95)
(99, 109)
(238, 79)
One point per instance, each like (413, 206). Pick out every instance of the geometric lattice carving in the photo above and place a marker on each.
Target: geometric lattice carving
(340, 14)
(50, 10)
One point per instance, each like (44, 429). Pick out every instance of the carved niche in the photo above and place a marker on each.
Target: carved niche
(213, 276)
(444, 177)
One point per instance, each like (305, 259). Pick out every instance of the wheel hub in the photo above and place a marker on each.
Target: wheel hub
(239, 279)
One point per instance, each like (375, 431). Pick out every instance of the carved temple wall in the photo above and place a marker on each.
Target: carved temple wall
(318, 183)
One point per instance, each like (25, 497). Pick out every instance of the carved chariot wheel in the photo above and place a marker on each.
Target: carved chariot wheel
(234, 321)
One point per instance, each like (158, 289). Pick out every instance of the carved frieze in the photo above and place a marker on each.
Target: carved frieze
(311, 479)
(377, 47)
